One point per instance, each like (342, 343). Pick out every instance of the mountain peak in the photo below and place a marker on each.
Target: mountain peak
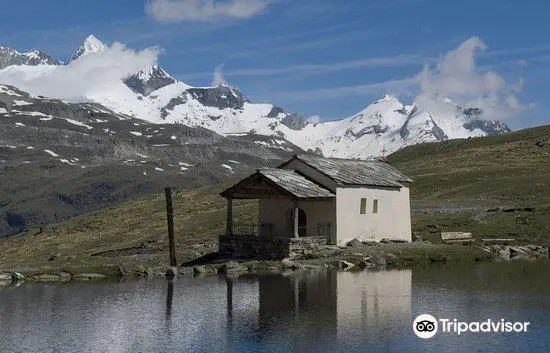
(91, 45)
(388, 98)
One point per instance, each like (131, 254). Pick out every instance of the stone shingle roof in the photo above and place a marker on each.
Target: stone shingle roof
(356, 171)
(295, 183)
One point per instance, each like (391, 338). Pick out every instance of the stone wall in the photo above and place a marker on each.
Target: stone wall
(265, 248)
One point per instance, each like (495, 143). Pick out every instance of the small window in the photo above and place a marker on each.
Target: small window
(375, 206)
(363, 209)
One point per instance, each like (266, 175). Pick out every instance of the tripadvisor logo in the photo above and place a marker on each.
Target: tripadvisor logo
(426, 326)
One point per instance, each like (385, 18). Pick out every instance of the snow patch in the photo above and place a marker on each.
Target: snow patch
(19, 103)
(53, 154)
(136, 133)
(228, 167)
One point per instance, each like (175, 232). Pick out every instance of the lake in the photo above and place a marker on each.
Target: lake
(319, 311)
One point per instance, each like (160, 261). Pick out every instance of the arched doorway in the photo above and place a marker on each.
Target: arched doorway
(302, 222)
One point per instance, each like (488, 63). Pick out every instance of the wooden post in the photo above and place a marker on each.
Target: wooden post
(170, 218)
(229, 223)
(296, 219)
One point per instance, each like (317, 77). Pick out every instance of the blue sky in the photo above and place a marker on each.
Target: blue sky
(316, 57)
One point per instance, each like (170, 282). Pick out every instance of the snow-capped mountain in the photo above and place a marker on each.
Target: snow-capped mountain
(77, 157)
(9, 56)
(381, 128)
(91, 45)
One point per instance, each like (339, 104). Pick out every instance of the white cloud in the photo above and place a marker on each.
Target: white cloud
(204, 10)
(218, 76)
(81, 78)
(400, 60)
(455, 77)
(314, 119)
(396, 87)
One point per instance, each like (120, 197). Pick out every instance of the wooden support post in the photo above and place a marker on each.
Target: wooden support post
(170, 218)
(296, 219)
(229, 223)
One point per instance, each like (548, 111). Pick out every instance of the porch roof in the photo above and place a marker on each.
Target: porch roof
(272, 182)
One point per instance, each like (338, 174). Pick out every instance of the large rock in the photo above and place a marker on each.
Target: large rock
(365, 263)
(391, 259)
(45, 277)
(5, 277)
(378, 260)
(289, 264)
(204, 270)
(345, 265)
(186, 271)
(65, 276)
(16, 276)
(355, 243)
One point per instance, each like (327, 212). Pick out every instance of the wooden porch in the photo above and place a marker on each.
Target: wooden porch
(283, 220)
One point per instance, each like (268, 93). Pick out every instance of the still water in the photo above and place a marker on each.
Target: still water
(322, 311)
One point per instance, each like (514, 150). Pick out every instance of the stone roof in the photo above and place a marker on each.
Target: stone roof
(295, 183)
(356, 171)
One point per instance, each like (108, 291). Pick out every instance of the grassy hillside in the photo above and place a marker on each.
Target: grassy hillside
(132, 232)
(456, 183)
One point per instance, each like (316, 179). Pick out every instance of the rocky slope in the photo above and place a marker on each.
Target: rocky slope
(59, 159)
(381, 128)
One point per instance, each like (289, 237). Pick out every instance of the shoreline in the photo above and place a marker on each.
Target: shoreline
(362, 258)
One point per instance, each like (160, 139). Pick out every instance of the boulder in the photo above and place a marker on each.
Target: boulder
(517, 253)
(503, 253)
(186, 271)
(5, 277)
(45, 277)
(378, 260)
(65, 277)
(345, 265)
(88, 276)
(365, 263)
(229, 265)
(16, 276)
(204, 270)
(54, 256)
(391, 259)
(287, 263)
(355, 243)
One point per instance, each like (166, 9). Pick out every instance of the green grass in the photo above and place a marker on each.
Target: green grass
(455, 183)
(199, 217)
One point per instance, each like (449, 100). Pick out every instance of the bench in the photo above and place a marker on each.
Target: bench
(456, 238)
(498, 241)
